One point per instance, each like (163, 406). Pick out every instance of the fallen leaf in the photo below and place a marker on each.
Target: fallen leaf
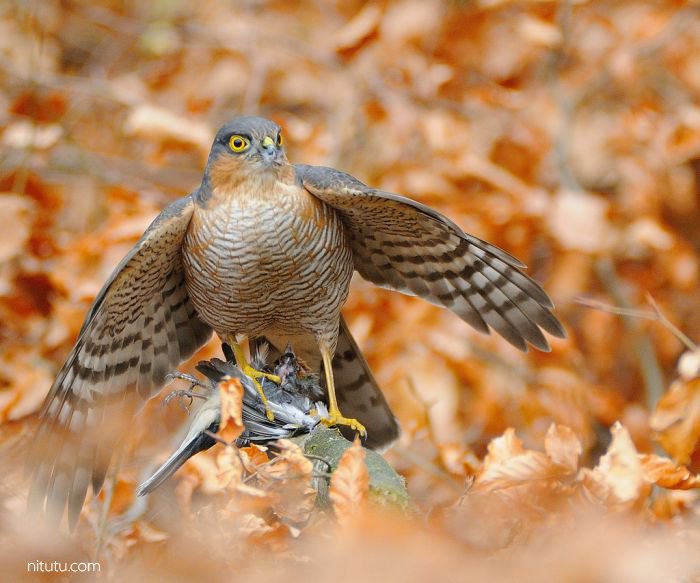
(290, 463)
(618, 479)
(563, 447)
(229, 469)
(509, 464)
(358, 29)
(580, 221)
(665, 473)
(288, 479)
(676, 420)
(157, 123)
(349, 487)
(231, 425)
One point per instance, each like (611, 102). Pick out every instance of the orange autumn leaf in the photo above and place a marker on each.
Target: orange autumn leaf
(268, 533)
(229, 469)
(254, 456)
(676, 419)
(349, 488)
(508, 463)
(618, 480)
(288, 479)
(231, 425)
(563, 447)
(359, 29)
(665, 473)
(458, 459)
(290, 463)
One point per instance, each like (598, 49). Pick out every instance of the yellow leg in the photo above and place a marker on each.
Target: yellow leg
(254, 375)
(334, 415)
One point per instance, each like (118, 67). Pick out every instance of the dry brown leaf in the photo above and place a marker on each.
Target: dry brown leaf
(509, 464)
(676, 420)
(206, 471)
(287, 478)
(231, 425)
(253, 457)
(272, 534)
(504, 448)
(580, 221)
(618, 480)
(229, 469)
(357, 30)
(672, 503)
(563, 447)
(667, 474)
(290, 463)
(458, 459)
(349, 488)
(155, 122)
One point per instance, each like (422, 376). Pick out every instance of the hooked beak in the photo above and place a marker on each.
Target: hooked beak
(270, 152)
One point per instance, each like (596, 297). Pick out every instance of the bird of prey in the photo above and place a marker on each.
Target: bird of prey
(295, 402)
(265, 249)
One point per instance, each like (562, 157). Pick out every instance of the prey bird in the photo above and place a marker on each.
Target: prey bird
(293, 402)
(265, 249)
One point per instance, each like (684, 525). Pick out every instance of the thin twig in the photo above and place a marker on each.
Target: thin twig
(656, 316)
(219, 439)
(670, 326)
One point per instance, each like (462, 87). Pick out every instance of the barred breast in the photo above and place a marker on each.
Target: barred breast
(277, 264)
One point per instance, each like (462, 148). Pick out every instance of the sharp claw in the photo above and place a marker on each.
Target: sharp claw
(337, 419)
(254, 375)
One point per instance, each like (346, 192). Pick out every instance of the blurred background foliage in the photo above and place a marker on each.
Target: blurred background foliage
(567, 133)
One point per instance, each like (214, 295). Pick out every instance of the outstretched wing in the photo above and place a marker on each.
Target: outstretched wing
(401, 244)
(141, 326)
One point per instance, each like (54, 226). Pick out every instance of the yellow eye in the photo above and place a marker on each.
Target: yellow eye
(280, 141)
(238, 143)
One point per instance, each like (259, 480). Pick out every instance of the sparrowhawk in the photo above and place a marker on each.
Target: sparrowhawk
(265, 248)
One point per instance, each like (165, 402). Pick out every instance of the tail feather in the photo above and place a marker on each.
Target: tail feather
(359, 395)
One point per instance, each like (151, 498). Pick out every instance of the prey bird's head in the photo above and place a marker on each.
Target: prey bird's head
(243, 148)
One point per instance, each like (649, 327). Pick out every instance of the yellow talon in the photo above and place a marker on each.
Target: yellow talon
(254, 374)
(335, 418)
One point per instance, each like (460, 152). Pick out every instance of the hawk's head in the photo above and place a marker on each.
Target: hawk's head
(244, 147)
